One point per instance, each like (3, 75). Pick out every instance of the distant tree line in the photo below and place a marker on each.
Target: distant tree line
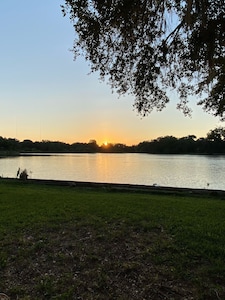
(213, 143)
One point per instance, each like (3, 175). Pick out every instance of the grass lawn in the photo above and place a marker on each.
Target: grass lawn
(72, 243)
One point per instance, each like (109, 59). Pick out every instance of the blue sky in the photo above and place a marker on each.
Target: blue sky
(46, 95)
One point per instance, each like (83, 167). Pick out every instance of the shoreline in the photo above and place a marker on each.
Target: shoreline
(122, 187)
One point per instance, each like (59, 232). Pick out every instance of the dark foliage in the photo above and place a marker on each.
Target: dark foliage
(213, 143)
(147, 46)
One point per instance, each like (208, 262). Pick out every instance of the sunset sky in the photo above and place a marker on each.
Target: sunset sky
(46, 95)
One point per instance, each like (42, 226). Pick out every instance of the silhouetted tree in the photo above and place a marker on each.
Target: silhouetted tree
(216, 140)
(27, 145)
(146, 46)
(187, 144)
(93, 146)
(217, 134)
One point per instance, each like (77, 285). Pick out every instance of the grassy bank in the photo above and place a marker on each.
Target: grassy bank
(72, 243)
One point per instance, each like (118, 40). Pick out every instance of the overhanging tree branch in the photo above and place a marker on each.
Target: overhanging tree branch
(131, 43)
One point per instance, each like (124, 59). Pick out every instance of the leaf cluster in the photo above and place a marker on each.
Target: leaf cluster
(144, 47)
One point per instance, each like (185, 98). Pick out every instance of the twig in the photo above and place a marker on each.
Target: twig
(4, 297)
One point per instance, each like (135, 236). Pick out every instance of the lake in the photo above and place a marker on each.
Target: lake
(192, 171)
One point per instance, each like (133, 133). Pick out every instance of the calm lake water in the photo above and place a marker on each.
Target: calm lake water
(194, 171)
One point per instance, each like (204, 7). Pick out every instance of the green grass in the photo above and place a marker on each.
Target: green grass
(69, 243)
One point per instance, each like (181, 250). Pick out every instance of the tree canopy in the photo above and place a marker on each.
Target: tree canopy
(146, 47)
(213, 143)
